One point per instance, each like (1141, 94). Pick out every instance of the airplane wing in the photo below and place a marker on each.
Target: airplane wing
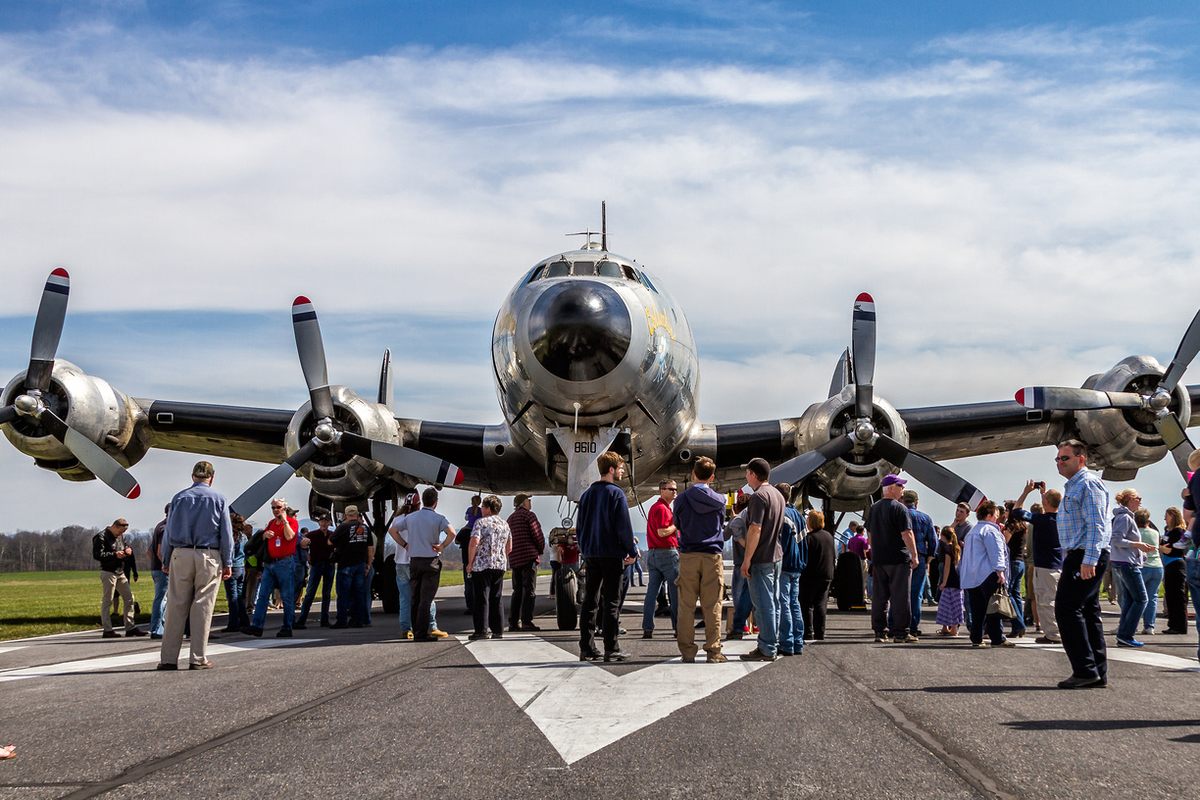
(251, 434)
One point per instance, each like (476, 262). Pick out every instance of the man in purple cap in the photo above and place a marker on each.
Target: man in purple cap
(893, 558)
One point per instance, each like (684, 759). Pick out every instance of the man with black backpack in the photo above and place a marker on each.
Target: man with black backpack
(109, 548)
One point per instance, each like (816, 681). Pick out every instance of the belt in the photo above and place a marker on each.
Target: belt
(193, 547)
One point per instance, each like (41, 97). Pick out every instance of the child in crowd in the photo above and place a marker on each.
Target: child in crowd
(950, 605)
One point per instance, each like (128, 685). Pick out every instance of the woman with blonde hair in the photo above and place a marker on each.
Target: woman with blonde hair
(1174, 548)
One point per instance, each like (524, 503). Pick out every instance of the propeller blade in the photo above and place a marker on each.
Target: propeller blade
(1064, 398)
(312, 356)
(92, 456)
(7, 414)
(862, 342)
(841, 374)
(269, 485)
(403, 459)
(800, 467)
(1176, 440)
(932, 474)
(1188, 347)
(47, 330)
(386, 395)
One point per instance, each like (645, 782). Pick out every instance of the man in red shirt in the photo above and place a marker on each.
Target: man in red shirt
(528, 542)
(279, 571)
(662, 556)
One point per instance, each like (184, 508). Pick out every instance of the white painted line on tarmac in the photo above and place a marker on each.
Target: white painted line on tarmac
(135, 659)
(580, 707)
(1130, 655)
(4, 649)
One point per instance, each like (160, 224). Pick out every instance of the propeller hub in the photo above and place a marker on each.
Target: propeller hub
(325, 433)
(1159, 400)
(28, 404)
(864, 431)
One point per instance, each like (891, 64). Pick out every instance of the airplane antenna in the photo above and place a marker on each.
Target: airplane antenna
(604, 225)
(589, 233)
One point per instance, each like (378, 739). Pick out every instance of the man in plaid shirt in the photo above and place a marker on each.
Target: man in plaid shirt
(1084, 528)
(527, 546)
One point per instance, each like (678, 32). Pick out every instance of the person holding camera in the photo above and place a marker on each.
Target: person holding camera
(281, 536)
(1047, 554)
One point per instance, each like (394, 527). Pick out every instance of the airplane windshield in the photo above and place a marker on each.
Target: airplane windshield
(608, 269)
(559, 269)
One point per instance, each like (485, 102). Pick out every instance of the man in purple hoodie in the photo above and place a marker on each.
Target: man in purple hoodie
(700, 516)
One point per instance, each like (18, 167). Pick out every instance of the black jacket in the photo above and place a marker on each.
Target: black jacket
(107, 552)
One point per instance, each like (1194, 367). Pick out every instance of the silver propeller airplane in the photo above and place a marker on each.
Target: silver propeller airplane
(589, 353)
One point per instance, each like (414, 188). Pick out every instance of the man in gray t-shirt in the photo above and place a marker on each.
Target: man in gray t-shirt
(764, 519)
(425, 533)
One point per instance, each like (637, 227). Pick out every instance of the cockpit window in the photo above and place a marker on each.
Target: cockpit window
(630, 274)
(537, 273)
(608, 269)
(558, 269)
(646, 282)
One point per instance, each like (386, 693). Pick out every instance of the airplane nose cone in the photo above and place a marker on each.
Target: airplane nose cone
(579, 330)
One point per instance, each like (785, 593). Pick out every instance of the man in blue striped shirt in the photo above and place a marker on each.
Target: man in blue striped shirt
(1084, 528)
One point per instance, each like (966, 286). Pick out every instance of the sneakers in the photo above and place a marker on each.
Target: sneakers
(906, 639)
(758, 655)
(879, 640)
(406, 635)
(205, 664)
(1129, 643)
(589, 655)
(716, 658)
(1008, 643)
(1145, 632)
(616, 655)
(438, 634)
(981, 645)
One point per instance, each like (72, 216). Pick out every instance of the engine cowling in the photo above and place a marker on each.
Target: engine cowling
(849, 481)
(1122, 441)
(89, 405)
(336, 476)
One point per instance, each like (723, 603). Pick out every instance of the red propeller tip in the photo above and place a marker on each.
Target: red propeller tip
(458, 478)
(1020, 396)
(135, 492)
(301, 300)
(864, 298)
(59, 272)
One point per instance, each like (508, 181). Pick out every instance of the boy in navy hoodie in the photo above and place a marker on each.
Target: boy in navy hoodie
(606, 543)
(700, 516)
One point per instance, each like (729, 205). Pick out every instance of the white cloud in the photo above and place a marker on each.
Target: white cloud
(1016, 221)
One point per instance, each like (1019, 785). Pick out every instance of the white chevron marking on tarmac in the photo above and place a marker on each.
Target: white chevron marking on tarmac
(580, 707)
(135, 659)
(1130, 655)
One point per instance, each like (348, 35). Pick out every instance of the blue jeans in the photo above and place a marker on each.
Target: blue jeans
(404, 587)
(920, 579)
(663, 566)
(1152, 577)
(350, 592)
(791, 621)
(1133, 598)
(741, 596)
(1193, 581)
(158, 611)
(366, 596)
(319, 572)
(235, 586)
(1016, 572)
(279, 575)
(764, 594)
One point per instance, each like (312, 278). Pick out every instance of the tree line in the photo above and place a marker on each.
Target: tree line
(65, 548)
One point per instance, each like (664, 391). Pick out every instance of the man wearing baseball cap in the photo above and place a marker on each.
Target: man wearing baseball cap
(893, 559)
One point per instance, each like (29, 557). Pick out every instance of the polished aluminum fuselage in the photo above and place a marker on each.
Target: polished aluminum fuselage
(651, 392)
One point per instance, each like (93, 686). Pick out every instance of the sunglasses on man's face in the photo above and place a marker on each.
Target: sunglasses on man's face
(1063, 459)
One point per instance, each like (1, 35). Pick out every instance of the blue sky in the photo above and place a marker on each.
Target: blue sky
(197, 165)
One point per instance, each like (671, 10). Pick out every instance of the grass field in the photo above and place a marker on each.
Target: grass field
(37, 603)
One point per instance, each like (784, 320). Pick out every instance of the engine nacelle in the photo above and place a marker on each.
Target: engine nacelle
(89, 405)
(848, 481)
(337, 476)
(1124, 440)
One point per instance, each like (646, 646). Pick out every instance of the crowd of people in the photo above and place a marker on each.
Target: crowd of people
(1013, 567)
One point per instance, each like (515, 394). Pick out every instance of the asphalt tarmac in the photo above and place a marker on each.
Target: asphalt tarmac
(359, 713)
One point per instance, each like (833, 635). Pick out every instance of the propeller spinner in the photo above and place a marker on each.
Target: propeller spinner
(31, 402)
(328, 436)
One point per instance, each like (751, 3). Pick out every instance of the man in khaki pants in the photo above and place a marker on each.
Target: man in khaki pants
(112, 552)
(700, 517)
(197, 555)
